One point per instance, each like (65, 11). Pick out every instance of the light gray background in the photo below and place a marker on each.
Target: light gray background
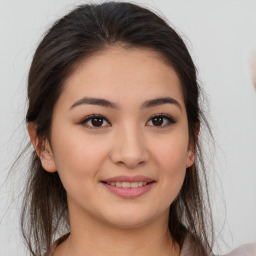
(221, 36)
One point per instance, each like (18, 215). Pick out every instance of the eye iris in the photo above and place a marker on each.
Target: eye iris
(157, 121)
(97, 121)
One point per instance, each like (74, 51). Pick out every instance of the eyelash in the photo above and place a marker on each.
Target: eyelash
(169, 119)
(90, 118)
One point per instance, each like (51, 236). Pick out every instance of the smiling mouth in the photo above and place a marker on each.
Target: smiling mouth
(120, 184)
(129, 187)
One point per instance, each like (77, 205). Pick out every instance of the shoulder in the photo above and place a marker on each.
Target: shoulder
(244, 250)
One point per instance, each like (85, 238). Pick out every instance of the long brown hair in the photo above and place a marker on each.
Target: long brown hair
(84, 32)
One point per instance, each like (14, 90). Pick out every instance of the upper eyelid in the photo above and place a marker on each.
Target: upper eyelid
(162, 115)
(88, 118)
(102, 116)
(94, 116)
(170, 119)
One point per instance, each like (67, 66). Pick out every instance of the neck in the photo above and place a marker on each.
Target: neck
(91, 237)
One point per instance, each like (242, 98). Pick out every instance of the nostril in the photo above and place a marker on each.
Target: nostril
(131, 161)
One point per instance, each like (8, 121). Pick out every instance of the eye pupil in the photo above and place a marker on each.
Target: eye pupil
(157, 121)
(97, 121)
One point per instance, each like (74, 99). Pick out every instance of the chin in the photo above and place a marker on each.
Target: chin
(129, 223)
(131, 219)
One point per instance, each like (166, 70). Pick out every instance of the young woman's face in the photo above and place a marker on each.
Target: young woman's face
(120, 139)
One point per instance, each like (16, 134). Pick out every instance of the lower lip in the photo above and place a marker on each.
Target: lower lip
(129, 192)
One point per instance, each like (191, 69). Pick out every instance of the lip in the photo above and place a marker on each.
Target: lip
(122, 178)
(128, 193)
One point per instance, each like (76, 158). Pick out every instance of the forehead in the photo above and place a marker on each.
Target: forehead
(121, 74)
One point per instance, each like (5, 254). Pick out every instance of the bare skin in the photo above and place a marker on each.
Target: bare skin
(137, 242)
(132, 138)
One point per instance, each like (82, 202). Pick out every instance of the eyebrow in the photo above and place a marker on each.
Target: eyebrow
(160, 101)
(106, 103)
(95, 101)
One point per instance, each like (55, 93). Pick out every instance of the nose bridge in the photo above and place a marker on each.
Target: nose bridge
(129, 146)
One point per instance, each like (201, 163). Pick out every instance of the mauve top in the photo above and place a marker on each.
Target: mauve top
(243, 250)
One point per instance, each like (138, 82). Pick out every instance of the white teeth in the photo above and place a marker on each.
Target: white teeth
(119, 184)
(128, 184)
(134, 184)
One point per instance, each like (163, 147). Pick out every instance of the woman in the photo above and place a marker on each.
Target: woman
(114, 119)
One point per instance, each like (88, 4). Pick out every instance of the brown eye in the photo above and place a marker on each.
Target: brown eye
(157, 121)
(95, 121)
(161, 120)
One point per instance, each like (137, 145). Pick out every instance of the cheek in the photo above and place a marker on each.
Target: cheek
(171, 159)
(78, 159)
(172, 153)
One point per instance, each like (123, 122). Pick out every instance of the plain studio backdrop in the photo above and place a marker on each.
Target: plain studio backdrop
(221, 36)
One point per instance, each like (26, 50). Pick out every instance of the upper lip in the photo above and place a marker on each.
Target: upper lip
(122, 178)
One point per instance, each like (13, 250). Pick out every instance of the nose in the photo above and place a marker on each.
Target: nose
(129, 148)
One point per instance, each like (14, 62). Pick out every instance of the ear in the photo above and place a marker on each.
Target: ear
(190, 158)
(192, 146)
(42, 148)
